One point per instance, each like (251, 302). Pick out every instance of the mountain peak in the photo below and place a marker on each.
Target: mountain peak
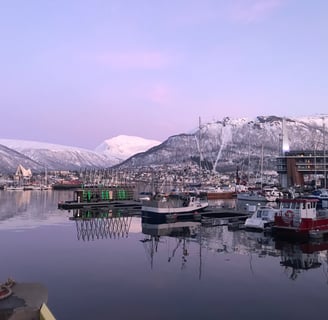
(123, 146)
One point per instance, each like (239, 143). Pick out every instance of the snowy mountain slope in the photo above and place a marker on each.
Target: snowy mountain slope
(11, 159)
(123, 147)
(231, 143)
(56, 157)
(225, 145)
(38, 155)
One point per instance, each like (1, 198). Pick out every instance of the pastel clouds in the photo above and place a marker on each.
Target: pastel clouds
(159, 94)
(135, 60)
(249, 11)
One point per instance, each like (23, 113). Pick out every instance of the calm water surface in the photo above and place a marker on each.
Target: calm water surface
(121, 268)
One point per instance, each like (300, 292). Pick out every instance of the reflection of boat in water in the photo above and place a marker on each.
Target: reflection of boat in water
(180, 203)
(177, 234)
(175, 229)
(263, 217)
(24, 301)
(301, 256)
(100, 224)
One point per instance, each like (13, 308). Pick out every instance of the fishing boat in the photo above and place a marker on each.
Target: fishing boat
(252, 196)
(174, 204)
(263, 217)
(265, 195)
(24, 301)
(214, 193)
(300, 217)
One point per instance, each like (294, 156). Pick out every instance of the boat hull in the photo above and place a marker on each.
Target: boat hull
(247, 197)
(220, 195)
(171, 210)
(304, 229)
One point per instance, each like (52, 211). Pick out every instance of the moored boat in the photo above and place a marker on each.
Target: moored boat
(263, 217)
(300, 217)
(251, 196)
(174, 204)
(24, 301)
(215, 193)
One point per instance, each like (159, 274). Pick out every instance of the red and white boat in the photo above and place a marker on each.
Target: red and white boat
(300, 217)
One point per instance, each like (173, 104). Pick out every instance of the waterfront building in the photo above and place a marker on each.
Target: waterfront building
(299, 168)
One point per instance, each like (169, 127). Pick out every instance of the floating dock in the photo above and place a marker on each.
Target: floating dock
(100, 196)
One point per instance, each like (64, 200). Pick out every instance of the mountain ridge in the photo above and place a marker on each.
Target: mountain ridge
(221, 145)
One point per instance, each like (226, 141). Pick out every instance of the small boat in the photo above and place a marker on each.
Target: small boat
(265, 195)
(252, 196)
(300, 217)
(214, 193)
(263, 217)
(24, 301)
(174, 204)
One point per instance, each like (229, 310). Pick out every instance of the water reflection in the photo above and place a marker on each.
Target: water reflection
(30, 209)
(294, 257)
(177, 237)
(101, 223)
(300, 257)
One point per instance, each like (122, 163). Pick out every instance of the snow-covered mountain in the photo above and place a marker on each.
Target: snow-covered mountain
(11, 159)
(233, 143)
(53, 156)
(225, 145)
(39, 155)
(122, 147)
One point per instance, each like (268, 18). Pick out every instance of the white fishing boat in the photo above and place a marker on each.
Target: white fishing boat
(252, 196)
(265, 195)
(174, 204)
(263, 217)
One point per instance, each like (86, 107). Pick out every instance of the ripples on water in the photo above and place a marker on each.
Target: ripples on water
(125, 267)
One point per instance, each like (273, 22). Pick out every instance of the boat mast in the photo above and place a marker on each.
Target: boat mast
(200, 150)
(249, 153)
(262, 155)
(324, 152)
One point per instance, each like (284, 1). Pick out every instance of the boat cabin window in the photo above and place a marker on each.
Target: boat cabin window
(259, 214)
(295, 205)
(285, 204)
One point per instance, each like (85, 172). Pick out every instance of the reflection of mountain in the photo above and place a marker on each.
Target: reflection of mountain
(298, 257)
(101, 223)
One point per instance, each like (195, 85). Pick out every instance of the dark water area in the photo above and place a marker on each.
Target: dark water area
(123, 267)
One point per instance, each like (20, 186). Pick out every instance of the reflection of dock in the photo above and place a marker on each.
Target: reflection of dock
(92, 225)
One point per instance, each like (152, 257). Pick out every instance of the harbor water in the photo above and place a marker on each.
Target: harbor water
(121, 266)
